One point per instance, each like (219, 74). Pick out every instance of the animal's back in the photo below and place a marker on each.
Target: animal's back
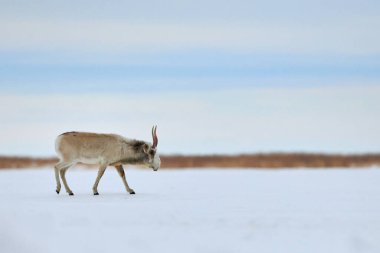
(86, 147)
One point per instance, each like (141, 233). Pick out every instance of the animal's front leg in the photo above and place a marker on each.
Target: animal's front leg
(101, 170)
(120, 170)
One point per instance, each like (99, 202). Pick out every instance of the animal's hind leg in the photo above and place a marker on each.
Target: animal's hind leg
(102, 168)
(62, 172)
(59, 166)
(56, 171)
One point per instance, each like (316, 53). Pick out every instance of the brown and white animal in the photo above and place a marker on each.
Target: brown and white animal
(104, 150)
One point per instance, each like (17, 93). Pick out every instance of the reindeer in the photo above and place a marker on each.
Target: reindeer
(104, 150)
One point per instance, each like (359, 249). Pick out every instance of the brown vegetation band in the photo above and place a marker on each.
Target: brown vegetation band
(273, 160)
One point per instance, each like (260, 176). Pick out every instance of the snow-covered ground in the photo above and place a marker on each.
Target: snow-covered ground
(227, 210)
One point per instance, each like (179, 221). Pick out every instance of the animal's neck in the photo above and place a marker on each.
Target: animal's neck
(132, 152)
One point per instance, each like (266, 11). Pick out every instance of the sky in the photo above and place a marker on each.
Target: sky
(215, 76)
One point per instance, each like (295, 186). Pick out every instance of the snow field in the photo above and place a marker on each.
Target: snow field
(195, 210)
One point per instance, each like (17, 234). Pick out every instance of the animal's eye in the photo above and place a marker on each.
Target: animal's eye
(152, 152)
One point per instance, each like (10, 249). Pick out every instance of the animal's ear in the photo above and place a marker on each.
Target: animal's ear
(146, 148)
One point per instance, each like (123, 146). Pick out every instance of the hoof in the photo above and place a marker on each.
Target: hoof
(57, 191)
(71, 194)
(96, 193)
(132, 192)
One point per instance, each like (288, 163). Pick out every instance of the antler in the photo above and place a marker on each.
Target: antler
(154, 136)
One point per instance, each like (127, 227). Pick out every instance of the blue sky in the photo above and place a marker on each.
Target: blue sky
(216, 76)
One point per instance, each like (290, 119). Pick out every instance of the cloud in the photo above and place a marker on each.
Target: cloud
(343, 36)
(323, 119)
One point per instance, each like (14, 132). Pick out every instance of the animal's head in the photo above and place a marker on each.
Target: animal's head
(151, 151)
